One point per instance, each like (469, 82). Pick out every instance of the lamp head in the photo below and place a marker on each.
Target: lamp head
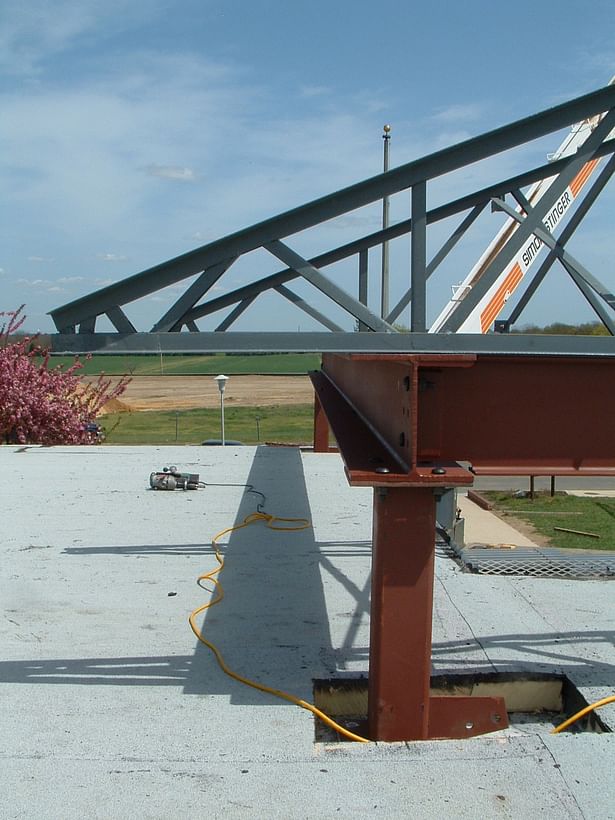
(221, 382)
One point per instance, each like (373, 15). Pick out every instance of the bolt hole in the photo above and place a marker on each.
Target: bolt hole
(469, 725)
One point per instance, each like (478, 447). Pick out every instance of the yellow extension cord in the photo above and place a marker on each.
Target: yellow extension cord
(270, 520)
(301, 524)
(581, 713)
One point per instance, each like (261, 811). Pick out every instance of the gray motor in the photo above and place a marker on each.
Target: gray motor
(171, 479)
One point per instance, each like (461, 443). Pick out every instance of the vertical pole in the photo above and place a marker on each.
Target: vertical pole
(321, 428)
(384, 295)
(532, 488)
(418, 262)
(363, 284)
(401, 613)
(552, 486)
(222, 418)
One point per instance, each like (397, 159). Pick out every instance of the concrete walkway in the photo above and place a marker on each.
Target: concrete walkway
(484, 527)
(110, 708)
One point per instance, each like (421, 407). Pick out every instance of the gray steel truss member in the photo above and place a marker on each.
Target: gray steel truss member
(77, 320)
(313, 275)
(174, 317)
(306, 308)
(263, 342)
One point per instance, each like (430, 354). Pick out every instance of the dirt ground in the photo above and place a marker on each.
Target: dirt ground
(186, 392)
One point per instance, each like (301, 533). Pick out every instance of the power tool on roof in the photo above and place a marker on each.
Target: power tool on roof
(170, 479)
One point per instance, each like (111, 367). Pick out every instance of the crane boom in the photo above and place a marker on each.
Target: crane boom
(481, 319)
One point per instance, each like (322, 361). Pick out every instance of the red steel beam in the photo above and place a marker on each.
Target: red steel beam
(545, 416)
(402, 423)
(540, 415)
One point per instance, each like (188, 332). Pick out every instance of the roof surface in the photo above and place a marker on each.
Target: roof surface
(110, 708)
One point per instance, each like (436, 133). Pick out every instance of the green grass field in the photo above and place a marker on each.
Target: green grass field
(250, 425)
(166, 365)
(593, 515)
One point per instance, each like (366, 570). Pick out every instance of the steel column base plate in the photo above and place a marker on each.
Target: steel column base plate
(448, 717)
(454, 717)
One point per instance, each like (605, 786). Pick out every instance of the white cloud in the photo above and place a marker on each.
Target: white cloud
(39, 259)
(314, 91)
(171, 172)
(111, 257)
(453, 114)
(38, 30)
(68, 280)
(34, 283)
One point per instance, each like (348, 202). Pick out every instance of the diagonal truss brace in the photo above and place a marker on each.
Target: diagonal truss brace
(568, 230)
(289, 294)
(326, 286)
(174, 318)
(234, 314)
(119, 320)
(580, 275)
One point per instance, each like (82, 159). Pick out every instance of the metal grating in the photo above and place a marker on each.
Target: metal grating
(548, 562)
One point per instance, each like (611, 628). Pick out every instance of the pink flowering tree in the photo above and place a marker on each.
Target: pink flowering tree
(40, 404)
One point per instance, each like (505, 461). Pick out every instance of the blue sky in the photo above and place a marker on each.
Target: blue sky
(132, 132)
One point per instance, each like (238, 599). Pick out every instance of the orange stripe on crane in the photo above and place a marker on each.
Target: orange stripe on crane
(499, 298)
(496, 305)
(581, 178)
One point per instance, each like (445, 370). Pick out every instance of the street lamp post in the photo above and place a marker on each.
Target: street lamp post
(384, 293)
(221, 382)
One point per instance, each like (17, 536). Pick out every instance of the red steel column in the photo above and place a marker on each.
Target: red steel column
(321, 428)
(401, 613)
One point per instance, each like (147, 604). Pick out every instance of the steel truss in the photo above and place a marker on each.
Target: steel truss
(76, 321)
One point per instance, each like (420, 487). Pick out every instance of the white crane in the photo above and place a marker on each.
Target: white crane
(490, 306)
